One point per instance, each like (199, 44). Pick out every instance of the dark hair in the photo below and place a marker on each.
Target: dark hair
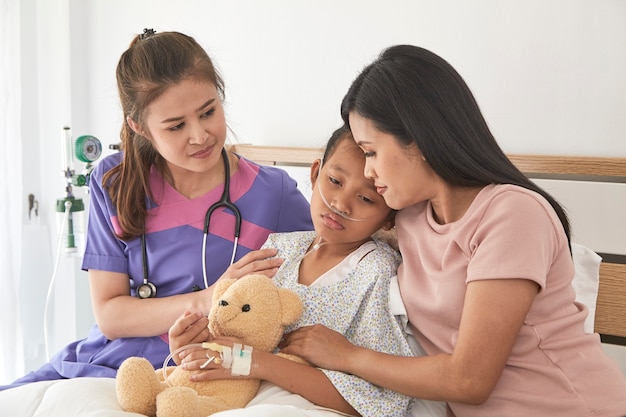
(340, 134)
(152, 63)
(418, 97)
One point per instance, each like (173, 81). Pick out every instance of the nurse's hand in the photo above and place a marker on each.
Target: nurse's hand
(256, 262)
(188, 328)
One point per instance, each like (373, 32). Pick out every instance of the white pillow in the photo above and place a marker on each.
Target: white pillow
(586, 280)
(585, 283)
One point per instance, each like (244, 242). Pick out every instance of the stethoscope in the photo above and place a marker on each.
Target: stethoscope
(148, 289)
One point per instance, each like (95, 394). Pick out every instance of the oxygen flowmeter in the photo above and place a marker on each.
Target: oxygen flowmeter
(70, 209)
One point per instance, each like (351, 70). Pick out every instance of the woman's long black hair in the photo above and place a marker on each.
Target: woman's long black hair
(418, 97)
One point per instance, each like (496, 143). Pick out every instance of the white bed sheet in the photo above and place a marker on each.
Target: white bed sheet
(91, 397)
(84, 397)
(96, 397)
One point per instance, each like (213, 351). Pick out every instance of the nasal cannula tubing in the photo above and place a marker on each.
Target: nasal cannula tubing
(334, 209)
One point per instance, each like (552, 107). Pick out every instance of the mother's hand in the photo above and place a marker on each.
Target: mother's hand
(256, 262)
(319, 345)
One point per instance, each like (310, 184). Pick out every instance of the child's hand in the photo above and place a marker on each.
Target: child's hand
(188, 328)
(214, 364)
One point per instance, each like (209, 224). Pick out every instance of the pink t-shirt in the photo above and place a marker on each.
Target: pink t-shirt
(555, 368)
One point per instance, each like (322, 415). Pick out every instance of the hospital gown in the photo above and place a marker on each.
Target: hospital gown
(353, 299)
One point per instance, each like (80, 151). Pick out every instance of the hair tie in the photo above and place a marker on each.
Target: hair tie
(147, 33)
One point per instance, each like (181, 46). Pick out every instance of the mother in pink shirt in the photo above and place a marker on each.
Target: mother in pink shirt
(487, 268)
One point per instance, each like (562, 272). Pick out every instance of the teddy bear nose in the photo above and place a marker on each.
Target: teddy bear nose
(245, 308)
(223, 303)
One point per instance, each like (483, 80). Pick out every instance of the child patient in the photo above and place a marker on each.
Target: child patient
(343, 276)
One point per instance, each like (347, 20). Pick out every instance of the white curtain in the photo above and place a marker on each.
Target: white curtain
(11, 194)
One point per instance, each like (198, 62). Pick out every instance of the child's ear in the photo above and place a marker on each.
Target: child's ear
(315, 170)
(390, 223)
(387, 233)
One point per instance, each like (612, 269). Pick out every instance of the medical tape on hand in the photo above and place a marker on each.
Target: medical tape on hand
(238, 359)
(242, 360)
(208, 361)
(226, 356)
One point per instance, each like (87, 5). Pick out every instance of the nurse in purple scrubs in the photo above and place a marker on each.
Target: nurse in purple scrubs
(152, 249)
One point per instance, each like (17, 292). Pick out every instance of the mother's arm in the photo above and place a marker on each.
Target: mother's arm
(492, 317)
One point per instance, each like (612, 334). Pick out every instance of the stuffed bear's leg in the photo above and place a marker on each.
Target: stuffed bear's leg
(185, 402)
(137, 386)
(211, 405)
(178, 402)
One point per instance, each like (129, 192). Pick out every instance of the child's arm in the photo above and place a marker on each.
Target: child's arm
(304, 380)
(307, 381)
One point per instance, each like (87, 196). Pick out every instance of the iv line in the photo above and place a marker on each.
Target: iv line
(66, 215)
(171, 355)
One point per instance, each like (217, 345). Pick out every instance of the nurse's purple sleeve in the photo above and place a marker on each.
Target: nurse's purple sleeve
(103, 250)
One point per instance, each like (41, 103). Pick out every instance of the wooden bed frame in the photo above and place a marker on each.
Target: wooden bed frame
(610, 319)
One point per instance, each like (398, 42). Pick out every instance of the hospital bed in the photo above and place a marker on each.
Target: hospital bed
(604, 282)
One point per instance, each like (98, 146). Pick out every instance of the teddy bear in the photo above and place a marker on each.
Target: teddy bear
(252, 309)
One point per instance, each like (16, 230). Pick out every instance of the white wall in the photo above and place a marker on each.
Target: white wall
(549, 75)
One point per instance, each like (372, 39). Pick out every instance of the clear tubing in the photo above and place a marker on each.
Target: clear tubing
(334, 209)
(166, 361)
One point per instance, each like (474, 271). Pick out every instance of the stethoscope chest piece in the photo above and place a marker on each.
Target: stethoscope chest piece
(146, 290)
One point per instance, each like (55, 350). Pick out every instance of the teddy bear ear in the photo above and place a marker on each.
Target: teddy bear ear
(220, 288)
(291, 306)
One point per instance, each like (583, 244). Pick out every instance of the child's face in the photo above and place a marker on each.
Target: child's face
(343, 186)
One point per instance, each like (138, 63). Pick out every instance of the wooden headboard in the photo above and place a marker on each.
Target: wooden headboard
(610, 319)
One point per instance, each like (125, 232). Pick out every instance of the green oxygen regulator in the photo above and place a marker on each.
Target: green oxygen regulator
(69, 209)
